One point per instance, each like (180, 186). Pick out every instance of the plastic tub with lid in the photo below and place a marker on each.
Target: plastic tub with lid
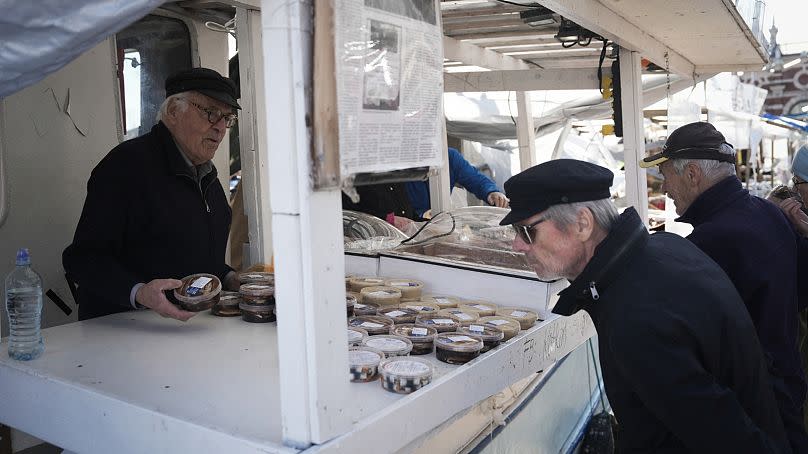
(457, 348)
(399, 314)
(525, 317)
(482, 308)
(373, 324)
(356, 336)
(390, 344)
(257, 294)
(490, 335)
(357, 283)
(510, 326)
(227, 305)
(404, 375)
(363, 363)
(410, 288)
(441, 322)
(198, 292)
(422, 337)
(381, 295)
(465, 316)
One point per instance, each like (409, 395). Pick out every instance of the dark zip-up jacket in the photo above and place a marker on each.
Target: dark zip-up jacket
(145, 217)
(681, 362)
(755, 245)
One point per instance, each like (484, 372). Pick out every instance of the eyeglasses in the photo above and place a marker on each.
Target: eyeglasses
(797, 182)
(214, 115)
(525, 231)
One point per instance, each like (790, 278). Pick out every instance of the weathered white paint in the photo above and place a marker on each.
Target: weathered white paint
(471, 54)
(440, 184)
(633, 132)
(522, 80)
(525, 132)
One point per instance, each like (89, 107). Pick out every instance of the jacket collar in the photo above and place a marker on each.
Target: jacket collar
(627, 237)
(176, 162)
(713, 200)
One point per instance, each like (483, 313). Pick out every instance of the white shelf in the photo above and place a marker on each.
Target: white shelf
(148, 384)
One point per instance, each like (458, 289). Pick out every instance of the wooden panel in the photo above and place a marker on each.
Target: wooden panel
(325, 140)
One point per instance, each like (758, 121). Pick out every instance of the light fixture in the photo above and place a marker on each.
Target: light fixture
(538, 16)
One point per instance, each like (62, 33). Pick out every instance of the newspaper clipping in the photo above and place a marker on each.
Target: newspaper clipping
(389, 84)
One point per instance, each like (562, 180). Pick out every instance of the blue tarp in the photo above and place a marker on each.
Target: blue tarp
(790, 122)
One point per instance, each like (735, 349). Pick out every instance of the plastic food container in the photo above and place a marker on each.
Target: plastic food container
(350, 303)
(443, 302)
(365, 309)
(256, 277)
(356, 284)
(363, 363)
(227, 305)
(410, 289)
(491, 336)
(481, 308)
(441, 322)
(404, 375)
(525, 317)
(422, 337)
(373, 324)
(199, 292)
(257, 294)
(390, 344)
(399, 314)
(421, 306)
(381, 295)
(465, 316)
(257, 313)
(457, 348)
(356, 336)
(510, 326)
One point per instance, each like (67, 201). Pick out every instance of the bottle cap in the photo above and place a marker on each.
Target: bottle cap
(23, 257)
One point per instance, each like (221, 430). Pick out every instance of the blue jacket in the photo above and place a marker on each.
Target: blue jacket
(753, 242)
(682, 365)
(460, 172)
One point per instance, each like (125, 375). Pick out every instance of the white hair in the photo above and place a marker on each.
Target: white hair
(713, 170)
(602, 210)
(183, 106)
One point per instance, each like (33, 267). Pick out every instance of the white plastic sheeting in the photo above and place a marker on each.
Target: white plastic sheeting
(39, 37)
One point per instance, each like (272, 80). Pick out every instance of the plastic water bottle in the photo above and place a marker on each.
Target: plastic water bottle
(24, 306)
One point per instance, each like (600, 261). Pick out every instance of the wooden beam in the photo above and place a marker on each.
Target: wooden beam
(595, 17)
(491, 11)
(525, 132)
(523, 80)
(474, 34)
(474, 55)
(633, 132)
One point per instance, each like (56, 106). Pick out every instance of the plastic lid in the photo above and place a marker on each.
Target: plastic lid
(364, 356)
(356, 335)
(380, 291)
(23, 257)
(429, 319)
(443, 300)
(518, 313)
(416, 334)
(486, 332)
(403, 283)
(398, 312)
(256, 307)
(371, 321)
(459, 342)
(209, 288)
(256, 277)
(479, 307)
(256, 290)
(421, 306)
(350, 300)
(406, 367)
(390, 344)
(359, 305)
(463, 315)
(229, 299)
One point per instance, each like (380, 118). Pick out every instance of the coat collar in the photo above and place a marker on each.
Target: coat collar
(713, 200)
(627, 237)
(176, 162)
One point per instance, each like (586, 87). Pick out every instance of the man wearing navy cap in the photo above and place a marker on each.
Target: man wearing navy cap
(683, 369)
(752, 241)
(155, 211)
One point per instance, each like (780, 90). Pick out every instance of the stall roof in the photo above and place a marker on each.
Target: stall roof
(686, 36)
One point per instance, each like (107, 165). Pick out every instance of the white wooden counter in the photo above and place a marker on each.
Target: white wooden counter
(134, 383)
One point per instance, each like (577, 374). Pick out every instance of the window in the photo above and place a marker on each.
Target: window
(149, 50)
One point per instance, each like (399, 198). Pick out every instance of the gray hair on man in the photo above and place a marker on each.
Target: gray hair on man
(713, 170)
(183, 106)
(565, 214)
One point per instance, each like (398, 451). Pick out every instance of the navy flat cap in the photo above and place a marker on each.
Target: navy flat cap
(206, 81)
(553, 183)
(699, 140)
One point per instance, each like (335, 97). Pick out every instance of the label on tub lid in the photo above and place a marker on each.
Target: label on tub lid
(418, 308)
(403, 284)
(518, 313)
(406, 367)
(371, 325)
(363, 357)
(354, 335)
(442, 300)
(482, 307)
(461, 339)
(498, 322)
(463, 316)
(380, 293)
(395, 314)
(386, 343)
(477, 328)
(443, 321)
(419, 331)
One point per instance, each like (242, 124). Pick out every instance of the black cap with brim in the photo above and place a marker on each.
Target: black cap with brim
(699, 140)
(553, 183)
(206, 81)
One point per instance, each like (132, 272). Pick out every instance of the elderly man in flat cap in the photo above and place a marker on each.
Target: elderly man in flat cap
(752, 241)
(155, 210)
(683, 368)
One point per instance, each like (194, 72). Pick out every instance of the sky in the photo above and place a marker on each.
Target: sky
(791, 19)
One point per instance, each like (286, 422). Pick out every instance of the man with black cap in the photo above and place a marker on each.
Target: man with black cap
(682, 366)
(752, 241)
(155, 211)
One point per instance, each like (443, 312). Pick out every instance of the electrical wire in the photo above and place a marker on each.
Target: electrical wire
(519, 4)
(432, 237)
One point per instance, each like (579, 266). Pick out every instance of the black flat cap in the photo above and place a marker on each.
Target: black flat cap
(699, 140)
(553, 183)
(206, 81)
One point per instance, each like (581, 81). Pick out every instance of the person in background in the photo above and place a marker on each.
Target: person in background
(794, 207)
(155, 210)
(681, 362)
(752, 242)
(461, 173)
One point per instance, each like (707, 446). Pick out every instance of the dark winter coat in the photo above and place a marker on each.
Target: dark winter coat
(681, 362)
(145, 217)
